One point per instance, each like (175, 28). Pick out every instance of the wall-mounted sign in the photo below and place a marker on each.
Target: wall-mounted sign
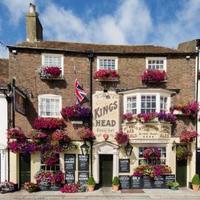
(83, 177)
(136, 182)
(69, 177)
(124, 165)
(20, 101)
(83, 162)
(105, 114)
(159, 182)
(70, 162)
(147, 131)
(124, 181)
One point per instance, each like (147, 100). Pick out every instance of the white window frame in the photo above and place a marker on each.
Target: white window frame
(140, 92)
(157, 58)
(50, 96)
(53, 54)
(107, 57)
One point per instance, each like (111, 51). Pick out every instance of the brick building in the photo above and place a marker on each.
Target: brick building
(110, 100)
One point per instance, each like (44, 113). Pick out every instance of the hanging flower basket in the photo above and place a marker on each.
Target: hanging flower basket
(182, 152)
(86, 134)
(122, 138)
(106, 75)
(50, 72)
(154, 76)
(188, 136)
(76, 113)
(48, 124)
(151, 153)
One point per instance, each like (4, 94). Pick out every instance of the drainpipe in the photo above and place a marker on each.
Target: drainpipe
(90, 55)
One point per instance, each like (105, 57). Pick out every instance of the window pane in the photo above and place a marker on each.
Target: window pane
(148, 103)
(131, 105)
(106, 63)
(156, 64)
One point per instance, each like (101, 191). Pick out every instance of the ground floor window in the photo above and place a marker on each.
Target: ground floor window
(142, 160)
(50, 163)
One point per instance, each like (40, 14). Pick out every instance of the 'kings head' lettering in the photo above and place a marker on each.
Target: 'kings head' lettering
(99, 112)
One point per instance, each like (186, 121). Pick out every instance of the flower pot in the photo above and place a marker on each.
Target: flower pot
(90, 188)
(195, 187)
(115, 188)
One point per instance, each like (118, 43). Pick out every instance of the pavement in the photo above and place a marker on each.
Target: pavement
(106, 194)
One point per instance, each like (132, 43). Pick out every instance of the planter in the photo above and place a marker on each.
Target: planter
(108, 80)
(195, 188)
(90, 188)
(44, 186)
(115, 188)
(55, 187)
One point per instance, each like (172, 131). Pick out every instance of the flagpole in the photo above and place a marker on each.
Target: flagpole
(90, 55)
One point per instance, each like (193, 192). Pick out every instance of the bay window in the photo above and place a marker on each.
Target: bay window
(147, 101)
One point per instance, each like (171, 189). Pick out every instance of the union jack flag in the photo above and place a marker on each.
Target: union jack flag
(79, 92)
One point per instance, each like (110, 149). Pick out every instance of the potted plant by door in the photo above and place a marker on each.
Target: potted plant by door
(195, 182)
(90, 184)
(115, 184)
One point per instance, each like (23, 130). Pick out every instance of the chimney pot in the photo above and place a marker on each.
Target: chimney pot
(31, 8)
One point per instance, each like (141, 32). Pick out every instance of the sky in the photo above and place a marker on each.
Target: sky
(129, 22)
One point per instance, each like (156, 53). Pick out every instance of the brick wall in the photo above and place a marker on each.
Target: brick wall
(24, 66)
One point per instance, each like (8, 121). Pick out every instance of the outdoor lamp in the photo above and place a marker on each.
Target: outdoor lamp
(84, 148)
(128, 149)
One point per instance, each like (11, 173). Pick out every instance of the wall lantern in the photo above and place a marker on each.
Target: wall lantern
(84, 148)
(128, 149)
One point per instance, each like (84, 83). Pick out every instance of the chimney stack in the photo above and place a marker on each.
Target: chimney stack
(34, 30)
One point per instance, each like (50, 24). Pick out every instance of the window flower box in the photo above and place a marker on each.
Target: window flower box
(154, 77)
(51, 72)
(106, 75)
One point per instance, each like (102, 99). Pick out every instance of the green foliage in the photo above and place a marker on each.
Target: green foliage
(196, 179)
(115, 181)
(91, 181)
(173, 184)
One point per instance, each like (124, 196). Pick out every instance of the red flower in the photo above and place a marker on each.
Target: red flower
(52, 71)
(57, 135)
(121, 138)
(151, 153)
(106, 74)
(156, 76)
(188, 136)
(127, 116)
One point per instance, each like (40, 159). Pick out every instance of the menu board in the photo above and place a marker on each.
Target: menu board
(159, 182)
(124, 181)
(83, 177)
(70, 162)
(124, 165)
(169, 178)
(147, 182)
(69, 177)
(83, 162)
(136, 182)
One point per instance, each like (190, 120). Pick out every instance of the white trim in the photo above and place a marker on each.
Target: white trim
(53, 54)
(52, 96)
(107, 57)
(157, 58)
(138, 93)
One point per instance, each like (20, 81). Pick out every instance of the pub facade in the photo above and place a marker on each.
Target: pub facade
(142, 100)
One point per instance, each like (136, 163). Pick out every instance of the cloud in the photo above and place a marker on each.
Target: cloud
(17, 9)
(130, 22)
(185, 25)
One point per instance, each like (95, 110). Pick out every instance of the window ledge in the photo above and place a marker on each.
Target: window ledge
(51, 78)
(108, 80)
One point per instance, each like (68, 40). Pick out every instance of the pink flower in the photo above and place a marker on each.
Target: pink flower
(52, 71)
(151, 75)
(106, 74)
(188, 136)
(121, 137)
(127, 116)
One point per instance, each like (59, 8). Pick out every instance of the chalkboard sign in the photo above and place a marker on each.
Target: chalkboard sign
(83, 162)
(69, 177)
(159, 182)
(124, 181)
(83, 177)
(70, 162)
(169, 178)
(124, 165)
(136, 182)
(147, 182)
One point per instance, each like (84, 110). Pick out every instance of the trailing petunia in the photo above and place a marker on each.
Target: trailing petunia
(106, 74)
(54, 72)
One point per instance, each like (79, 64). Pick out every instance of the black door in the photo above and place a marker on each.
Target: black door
(181, 172)
(25, 168)
(106, 170)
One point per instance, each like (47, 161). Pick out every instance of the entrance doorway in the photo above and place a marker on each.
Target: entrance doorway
(25, 168)
(106, 170)
(181, 172)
